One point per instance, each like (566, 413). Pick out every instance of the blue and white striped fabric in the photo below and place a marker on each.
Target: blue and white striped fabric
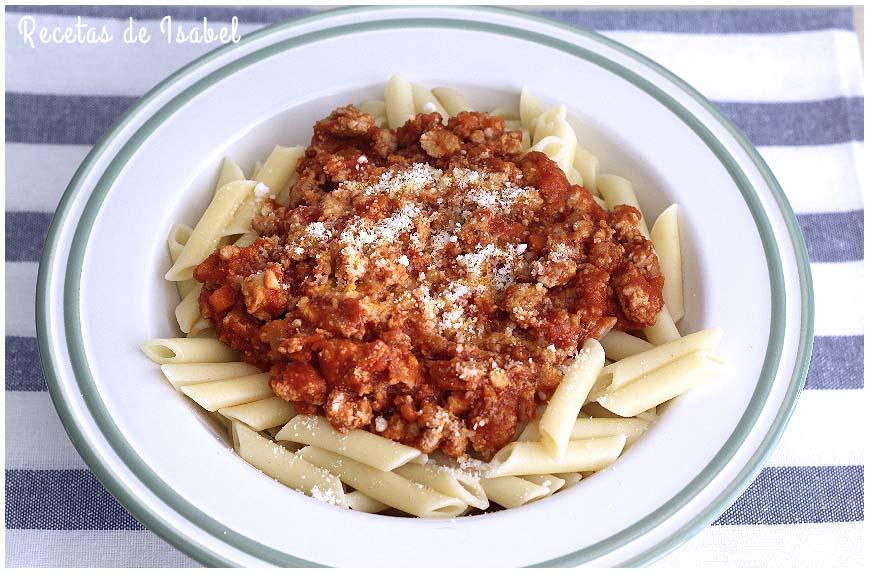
(791, 79)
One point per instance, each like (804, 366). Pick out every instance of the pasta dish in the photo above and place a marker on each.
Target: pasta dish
(430, 310)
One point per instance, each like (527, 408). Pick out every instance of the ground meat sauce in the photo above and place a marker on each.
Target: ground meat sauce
(428, 283)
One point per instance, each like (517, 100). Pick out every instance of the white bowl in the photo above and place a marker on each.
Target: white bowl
(101, 293)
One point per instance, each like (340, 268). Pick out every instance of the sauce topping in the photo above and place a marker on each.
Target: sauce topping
(428, 283)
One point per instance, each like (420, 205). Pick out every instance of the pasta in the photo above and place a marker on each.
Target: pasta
(617, 190)
(558, 419)
(186, 350)
(262, 414)
(407, 417)
(424, 101)
(661, 385)
(619, 345)
(229, 172)
(526, 458)
(187, 311)
(511, 491)
(452, 100)
(178, 237)
(219, 394)
(287, 467)
(386, 487)
(366, 504)
(583, 428)
(359, 445)
(210, 228)
(398, 96)
(665, 237)
(459, 485)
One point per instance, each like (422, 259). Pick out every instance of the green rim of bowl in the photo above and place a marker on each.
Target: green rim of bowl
(248, 546)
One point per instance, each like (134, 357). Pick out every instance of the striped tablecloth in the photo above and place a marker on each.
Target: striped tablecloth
(791, 79)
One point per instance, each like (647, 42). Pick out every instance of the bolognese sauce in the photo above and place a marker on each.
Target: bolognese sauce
(428, 283)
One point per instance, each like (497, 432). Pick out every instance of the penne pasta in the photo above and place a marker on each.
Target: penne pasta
(526, 458)
(187, 311)
(529, 109)
(247, 239)
(663, 384)
(509, 113)
(273, 177)
(210, 228)
(633, 367)
(230, 392)
(386, 487)
(584, 428)
(560, 415)
(229, 172)
(262, 414)
(256, 167)
(178, 237)
(618, 191)
(452, 100)
(664, 330)
(574, 177)
(374, 108)
(195, 373)
(186, 350)
(361, 502)
(588, 165)
(398, 97)
(511, 491)
(424, 101)
(570, 479)
(366, 447)
(459, 485)
(618, 345)
(550, 122)
(550, 482)
(286, 467)
(665, 237)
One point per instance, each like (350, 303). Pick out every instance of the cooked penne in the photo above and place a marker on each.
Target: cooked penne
(398, 97)
(584, 428)
(459, 485)
(526, 458)
(550, 482)
(622, 372)
(273, 177)
(360, 445)
(452, 100)
(178, 237)
(286, 467)
(230, 392)
(570, 479)
(366, 504)
(618, 345)
(663, 384)
(550, 122)
(558, 148)
(186, 350)
(509, 113)
(374, 108)
(665, 237)
(247, 239)
(588, 165)
(424, 101)
(187, 311)
(256, 167)
(574, 177)
(194, 373)
(511, 491)
(664, 330)
(618, 191)
(529, 109)
(210, 228)
(262, 414)
(598, 412)
(560, 415)
(386, 487)
(229, 172)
